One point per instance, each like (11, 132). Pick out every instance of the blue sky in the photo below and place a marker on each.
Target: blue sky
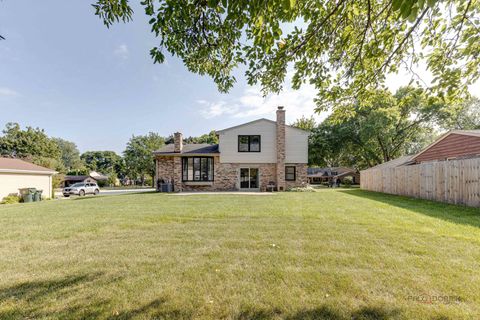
(62, 70)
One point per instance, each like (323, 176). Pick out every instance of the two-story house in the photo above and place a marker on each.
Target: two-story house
(250, 156)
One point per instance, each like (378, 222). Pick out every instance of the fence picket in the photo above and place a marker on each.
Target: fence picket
(453, 181)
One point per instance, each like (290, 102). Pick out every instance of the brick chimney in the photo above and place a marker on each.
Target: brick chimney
(178, 142)
(280, 148)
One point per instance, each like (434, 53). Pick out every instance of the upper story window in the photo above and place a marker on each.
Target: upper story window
(249, 143)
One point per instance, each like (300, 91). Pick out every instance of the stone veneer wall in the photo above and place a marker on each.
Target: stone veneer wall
(164, 168)
(301, 175)
(280, 129)
(226, 175)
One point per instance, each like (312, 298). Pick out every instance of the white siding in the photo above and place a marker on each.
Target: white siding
(296, 146)
(228, 143)
(11, 182)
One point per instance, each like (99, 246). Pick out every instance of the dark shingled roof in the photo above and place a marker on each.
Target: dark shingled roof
(75, 178)
(193, 148)
(398, 162)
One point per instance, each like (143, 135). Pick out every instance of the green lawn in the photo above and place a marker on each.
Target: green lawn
(332, 254)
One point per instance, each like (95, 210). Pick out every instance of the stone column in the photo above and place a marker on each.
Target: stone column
(177, 174)
(280, 149)
(178, 142)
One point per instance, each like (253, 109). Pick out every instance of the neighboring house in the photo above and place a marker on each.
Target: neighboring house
(92, 177)
(321, 175)
(448, 170)
(250, 156)
(16, 174)
(453, 145)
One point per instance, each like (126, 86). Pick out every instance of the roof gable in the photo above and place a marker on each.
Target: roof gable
(474, 133)
(253, 122)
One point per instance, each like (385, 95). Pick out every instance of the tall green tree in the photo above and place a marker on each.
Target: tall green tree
(345, 48)
(32, 144)
(210, 138)
(69, 155)
(377, 129)
(462, 116)
(104, 162)
(138, 155)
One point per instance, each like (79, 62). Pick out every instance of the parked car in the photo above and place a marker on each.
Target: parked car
(81, 189)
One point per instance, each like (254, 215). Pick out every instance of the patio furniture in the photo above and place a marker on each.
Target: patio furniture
(271, 186)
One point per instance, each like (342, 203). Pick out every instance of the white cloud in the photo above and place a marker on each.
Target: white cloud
(4, 91)
(216, 109)
(121, 51)
(251, 105)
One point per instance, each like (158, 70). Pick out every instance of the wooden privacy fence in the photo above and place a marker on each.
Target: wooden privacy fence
(454, 181)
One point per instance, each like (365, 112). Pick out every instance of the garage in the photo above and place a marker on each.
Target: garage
(16, 174)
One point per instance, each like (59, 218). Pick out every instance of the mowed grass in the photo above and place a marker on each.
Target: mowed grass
(332, 254)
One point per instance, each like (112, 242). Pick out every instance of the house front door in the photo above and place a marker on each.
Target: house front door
(249, 178)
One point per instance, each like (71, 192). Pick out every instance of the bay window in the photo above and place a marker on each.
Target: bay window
(197, 169)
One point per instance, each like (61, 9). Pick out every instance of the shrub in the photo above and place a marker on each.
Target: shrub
(301, 189)
(12, 198)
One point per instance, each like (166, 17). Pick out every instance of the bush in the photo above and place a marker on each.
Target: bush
(12, 198)
(148, 181)
(301, 189)
(348, 181)
(102, 183)
(57, 181)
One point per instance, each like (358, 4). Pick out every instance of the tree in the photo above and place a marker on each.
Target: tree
(329, 146)
(104, 162)
(138, 155)
(69, 155)
(210, 138)
(304, 123)
(32, 144)
(462, 116)
(345, 48)
(379, 129)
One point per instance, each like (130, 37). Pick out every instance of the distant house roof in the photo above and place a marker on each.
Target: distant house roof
(94, 175)
(191, 148)
(255, 121)
(19, 166)
(328, 171)
(75, 178)
(98, 176)
(400, 161)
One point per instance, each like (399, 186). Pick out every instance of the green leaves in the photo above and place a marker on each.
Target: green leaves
(288, 4)
(343, 48)
(409, 9)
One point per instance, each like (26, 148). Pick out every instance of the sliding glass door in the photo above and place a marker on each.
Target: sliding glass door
(249, 178)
